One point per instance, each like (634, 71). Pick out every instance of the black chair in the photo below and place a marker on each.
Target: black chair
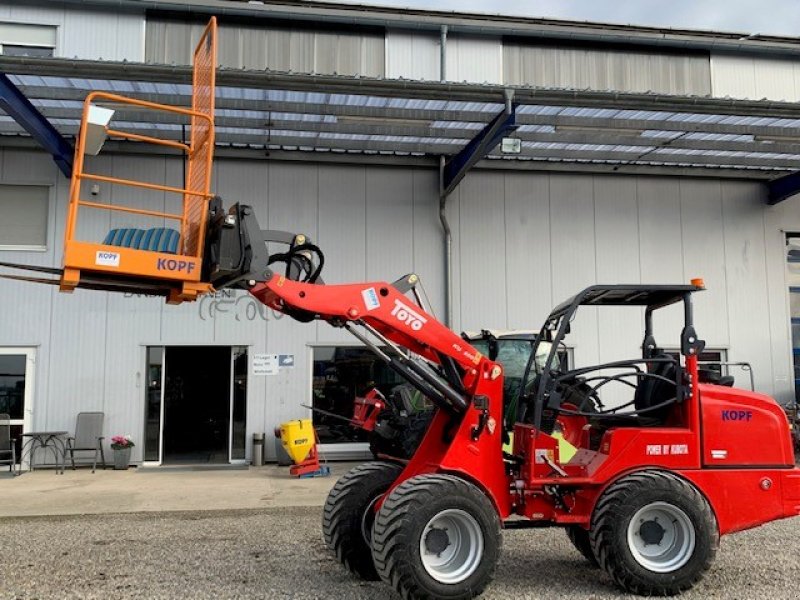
(88, 438)
(658, 389)
(8, 445)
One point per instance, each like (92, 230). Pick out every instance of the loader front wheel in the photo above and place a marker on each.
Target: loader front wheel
(349, 512)
(437, 536)
(581, 540)
(654, 534)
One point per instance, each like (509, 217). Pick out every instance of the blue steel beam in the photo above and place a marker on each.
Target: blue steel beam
(19, 108)
(781, 188)
(478, 148)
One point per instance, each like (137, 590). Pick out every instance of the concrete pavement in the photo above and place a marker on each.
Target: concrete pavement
(81, 492)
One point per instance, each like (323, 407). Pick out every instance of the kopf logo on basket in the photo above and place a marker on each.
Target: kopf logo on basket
(407, 315)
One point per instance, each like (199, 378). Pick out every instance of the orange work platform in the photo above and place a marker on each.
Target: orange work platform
(171, 250)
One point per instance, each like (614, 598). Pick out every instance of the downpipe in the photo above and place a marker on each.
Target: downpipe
(448, 246)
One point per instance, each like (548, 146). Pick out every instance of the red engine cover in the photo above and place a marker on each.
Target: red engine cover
(742, 428)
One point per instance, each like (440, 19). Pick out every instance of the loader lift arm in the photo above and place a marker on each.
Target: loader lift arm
(378, 314)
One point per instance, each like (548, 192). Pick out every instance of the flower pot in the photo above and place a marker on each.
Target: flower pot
(122, 458)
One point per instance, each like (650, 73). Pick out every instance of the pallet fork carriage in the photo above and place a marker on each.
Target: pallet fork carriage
(652, 486)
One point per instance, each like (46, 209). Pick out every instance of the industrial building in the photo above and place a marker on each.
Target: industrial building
(641, 155)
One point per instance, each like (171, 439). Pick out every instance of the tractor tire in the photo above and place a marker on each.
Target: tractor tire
(437, 536)
(647, 557)
(348, 515)
(582, 542)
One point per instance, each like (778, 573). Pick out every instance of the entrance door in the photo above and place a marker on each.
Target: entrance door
(16, 389)
(195, 405)
(197, 399)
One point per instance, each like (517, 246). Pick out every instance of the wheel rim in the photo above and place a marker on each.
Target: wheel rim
(451, 546)
(661, 537)
(367, 519)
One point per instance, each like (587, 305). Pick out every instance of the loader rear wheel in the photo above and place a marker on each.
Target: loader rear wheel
(654, 534)
(436, 536)
(581, 540)
(349, 512)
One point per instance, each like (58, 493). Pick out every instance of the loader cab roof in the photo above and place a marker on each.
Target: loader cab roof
(651, 296)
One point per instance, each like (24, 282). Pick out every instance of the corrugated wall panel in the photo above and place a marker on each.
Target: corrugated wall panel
(412, 55)
(618, 261)
(474, 59)
(573, 263)
(389, 224)
(342, 231)
(428, 241)
(527, 249)
(704, 255)
(661, 245)
(85, 34)
(590, 68)
(301, 51)
(482, 252)
(755, 78)
(745, 273)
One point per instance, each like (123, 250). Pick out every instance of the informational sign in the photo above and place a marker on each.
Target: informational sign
(265, 364)
(286, 361)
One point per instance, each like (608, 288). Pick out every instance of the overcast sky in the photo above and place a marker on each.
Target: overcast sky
(777, 17)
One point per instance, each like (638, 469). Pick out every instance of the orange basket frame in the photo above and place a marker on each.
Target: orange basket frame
(145, 264)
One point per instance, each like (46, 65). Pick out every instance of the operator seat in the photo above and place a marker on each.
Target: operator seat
(652, 391)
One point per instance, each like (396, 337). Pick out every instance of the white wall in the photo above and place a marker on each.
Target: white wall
(474, 59)
(91, 35)
(523, 242)
(755, 78)
(413, 55)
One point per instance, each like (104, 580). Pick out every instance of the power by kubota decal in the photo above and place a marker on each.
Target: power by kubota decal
(408, 316)
(178, 266)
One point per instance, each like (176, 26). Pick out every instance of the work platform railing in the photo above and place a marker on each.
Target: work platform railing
(162, 253)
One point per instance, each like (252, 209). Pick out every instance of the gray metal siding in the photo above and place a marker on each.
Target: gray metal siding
(523, 241)
(86, 34)
(474, 59)
(297, 50)
(597, 69)
(755, 78)
(584, 229)
(412, 55)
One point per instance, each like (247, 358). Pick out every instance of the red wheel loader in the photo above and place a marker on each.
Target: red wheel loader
(656, 480)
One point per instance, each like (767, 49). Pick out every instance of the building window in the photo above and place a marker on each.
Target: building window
(341, 373)
(24, 223)
(24, 39)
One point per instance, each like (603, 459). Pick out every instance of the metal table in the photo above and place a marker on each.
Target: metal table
(54, 440)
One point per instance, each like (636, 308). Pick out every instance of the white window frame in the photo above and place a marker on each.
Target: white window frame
(28, 42)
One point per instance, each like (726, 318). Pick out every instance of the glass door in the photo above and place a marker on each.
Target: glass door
(16, 390)
(175, 374)
(238, 419)
(154, 405)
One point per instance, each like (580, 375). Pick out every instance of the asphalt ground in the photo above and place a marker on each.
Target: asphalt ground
(279, 553)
